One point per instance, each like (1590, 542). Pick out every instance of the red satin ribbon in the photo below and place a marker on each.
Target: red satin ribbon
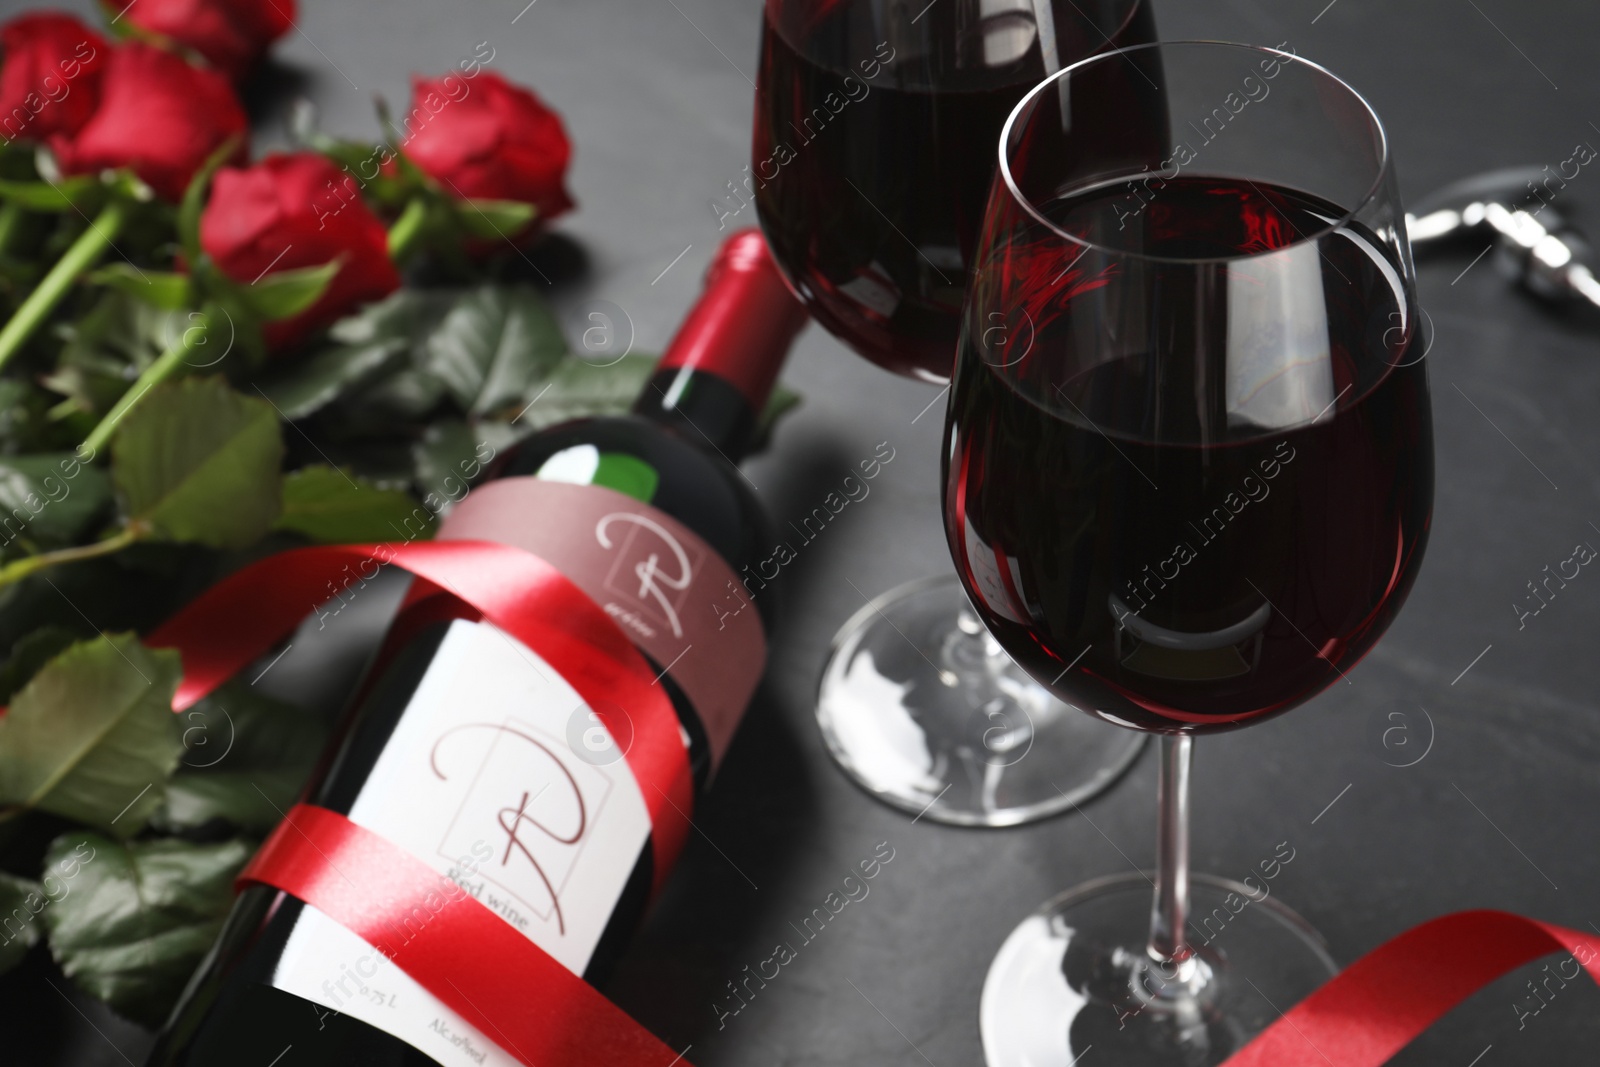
(242, 616)
(1377, 1005)
(459, 950)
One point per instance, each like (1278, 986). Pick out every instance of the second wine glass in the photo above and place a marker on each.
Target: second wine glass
(874, 148)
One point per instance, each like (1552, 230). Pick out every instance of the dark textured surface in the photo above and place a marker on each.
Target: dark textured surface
(1499, 814)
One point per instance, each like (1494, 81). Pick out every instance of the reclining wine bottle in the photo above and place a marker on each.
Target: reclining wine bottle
(471, 752)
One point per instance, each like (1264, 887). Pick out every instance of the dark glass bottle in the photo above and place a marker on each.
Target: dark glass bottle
(470, 751)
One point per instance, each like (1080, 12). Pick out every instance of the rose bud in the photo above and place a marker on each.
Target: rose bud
(291, 211)
(49, 76)
(485, 139)
(231, 34)
(159, 116)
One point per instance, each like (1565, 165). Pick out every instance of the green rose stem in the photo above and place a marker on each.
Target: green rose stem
(88, 248)
(165, 366)
(403, 235)
(19, 569)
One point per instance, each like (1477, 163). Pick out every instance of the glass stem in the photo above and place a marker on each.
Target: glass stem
(1169, 913)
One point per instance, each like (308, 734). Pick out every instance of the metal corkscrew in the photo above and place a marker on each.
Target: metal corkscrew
(1535, 244)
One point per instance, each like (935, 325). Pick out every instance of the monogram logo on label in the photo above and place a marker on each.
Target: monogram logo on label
(531, 801)
(662, 582)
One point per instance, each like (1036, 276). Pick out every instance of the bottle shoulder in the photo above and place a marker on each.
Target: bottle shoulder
(689, 481)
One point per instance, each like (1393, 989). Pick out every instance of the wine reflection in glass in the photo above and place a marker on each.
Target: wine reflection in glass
(1201, 442)
(875, 128)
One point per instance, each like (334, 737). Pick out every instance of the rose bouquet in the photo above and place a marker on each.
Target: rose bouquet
(205, 358)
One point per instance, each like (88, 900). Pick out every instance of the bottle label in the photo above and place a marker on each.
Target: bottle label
(500, 776)
(663, 585)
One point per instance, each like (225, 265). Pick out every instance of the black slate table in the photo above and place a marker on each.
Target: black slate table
(1501, 813)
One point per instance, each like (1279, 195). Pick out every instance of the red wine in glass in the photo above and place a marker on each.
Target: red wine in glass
(877, 128)
(1200, 577)
(875, 144)
(1188, 483)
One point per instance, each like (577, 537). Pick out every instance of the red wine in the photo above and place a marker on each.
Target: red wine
(1173, 549)
(474, 754)
(874, 148)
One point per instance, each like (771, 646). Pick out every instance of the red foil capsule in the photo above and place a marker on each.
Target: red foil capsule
(746, 308)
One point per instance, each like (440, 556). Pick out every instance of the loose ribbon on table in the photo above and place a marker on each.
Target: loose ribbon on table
(510, 989)
(461, 952)
(1377, 1005)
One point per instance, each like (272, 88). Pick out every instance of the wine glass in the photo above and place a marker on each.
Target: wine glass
(1190, 419)
(873, 153)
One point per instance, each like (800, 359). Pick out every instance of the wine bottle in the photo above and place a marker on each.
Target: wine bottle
(469, 750)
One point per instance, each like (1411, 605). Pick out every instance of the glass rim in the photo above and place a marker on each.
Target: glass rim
(1132, 9)
(1385, 157)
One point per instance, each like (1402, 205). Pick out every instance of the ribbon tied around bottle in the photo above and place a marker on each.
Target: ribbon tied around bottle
(464, 954)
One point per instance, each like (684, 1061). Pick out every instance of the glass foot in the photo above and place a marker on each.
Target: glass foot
(1075, 974)
(921, 706)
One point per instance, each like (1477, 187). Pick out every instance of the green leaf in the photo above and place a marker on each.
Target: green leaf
(578, 389)
(312, 384)
(31, 652)
(493, 346)
(391, 334)
(168, 291)
(81, 192)
(92, 737)
(453, 455)
(286, 293)
(491, 219)
(199, 462)
(41, 503)
(242, 801)
(120, 331)
(407, 394)
(327, 504)
(404, 314)
(22, 414)
(246, 758)
(107, 349)
(20, 904)
(446, 451)
(140, 916)
(123, 328)
(492, 436)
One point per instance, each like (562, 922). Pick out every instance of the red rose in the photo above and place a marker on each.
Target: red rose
(158, 116)
(50, 80)
(291, 211)
(230, 34)
(484, 138)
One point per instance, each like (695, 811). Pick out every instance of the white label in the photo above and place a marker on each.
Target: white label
(495, 768)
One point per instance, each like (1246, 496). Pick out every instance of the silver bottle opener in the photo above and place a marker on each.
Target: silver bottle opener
(1534, 242)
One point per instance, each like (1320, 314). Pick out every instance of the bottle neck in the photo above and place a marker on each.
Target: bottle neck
(702, 408)
(716, 376)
